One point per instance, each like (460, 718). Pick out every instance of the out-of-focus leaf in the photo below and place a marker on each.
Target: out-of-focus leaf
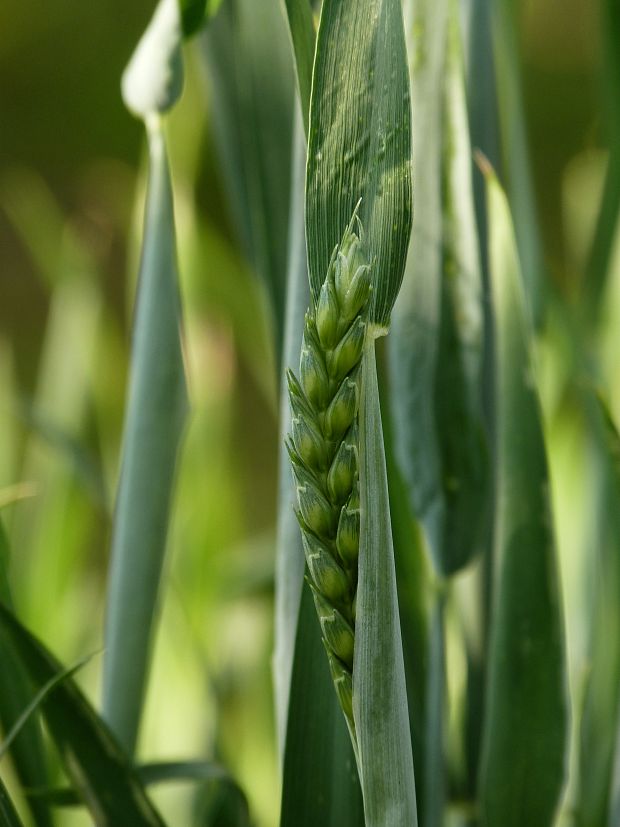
(359, 144)
(524, 743)
(600, 720)
(413, 343)
(154, 773)
(458, 382)
(156, 410)
(301, 26)
(251, 94)
(379, 691)
(434, 768)
(153, 79)
(320, 783)
(195, 12)
(599, 258)
(515, 153)
(27, 750)
(290, 562)
(92, 758)
(8, 814)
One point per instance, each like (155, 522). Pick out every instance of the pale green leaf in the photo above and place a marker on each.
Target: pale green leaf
(379, 691)
(359, 143)
(156, 410)
(8, 813)
(153, 80)
(523, 760)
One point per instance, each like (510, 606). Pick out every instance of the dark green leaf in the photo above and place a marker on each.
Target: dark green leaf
(320, 784)
(156, 410)
(523, 759)
(359, 142)
(93, 760)
(27, 750)
(194, 13)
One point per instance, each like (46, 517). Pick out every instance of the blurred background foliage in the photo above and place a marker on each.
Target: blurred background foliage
(71, 199)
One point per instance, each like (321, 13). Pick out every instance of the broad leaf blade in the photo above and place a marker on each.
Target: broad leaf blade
(156, 411)
(379, 689)
(359, 142)
(320, 784)
(95, 763)
(525, 726)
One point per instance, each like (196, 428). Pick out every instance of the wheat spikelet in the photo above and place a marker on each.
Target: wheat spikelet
(324, 446)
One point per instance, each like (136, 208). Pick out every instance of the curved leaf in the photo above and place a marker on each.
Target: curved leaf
(93, 760)
(359, 144)
(525, 724)
(8, 813)
(301, 26)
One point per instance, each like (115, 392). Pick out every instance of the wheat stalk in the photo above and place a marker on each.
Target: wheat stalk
(324, 447)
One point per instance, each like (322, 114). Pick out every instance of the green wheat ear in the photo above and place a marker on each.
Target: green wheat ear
(324, 447)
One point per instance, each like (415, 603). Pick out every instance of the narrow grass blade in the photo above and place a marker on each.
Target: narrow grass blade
(599, 258)
(8, 813)
(93, 760)
(525, 725)
(320, 783)
(27, 749)
(413, 344)
(600, 720)
(515, 153)
(156, 412)
(359, 143)
(458, 382)
(379, 690)
(435, 780)
(301, 26)
(290, 562)
(251, 94)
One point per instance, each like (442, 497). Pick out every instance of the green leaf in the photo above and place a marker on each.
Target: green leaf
(290, 561)
(156, 411)
(301, 26)
(379, 691)
(153, 80)
(251, 95)
(359, 142)
(195, 12)
(600, 719)
(525, 725)
(8, 813)
(320, 783)
(93, 760)
(27, 750)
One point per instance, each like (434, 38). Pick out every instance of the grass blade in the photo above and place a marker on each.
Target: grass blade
(301, 26)
(600, 720)
(359, 144)
(27, 749)
(525, 726)
(290, 561)
(157, 400)
(379, 689)
(93, 760)
(8, 814)
(320, 784)
(251, 91)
